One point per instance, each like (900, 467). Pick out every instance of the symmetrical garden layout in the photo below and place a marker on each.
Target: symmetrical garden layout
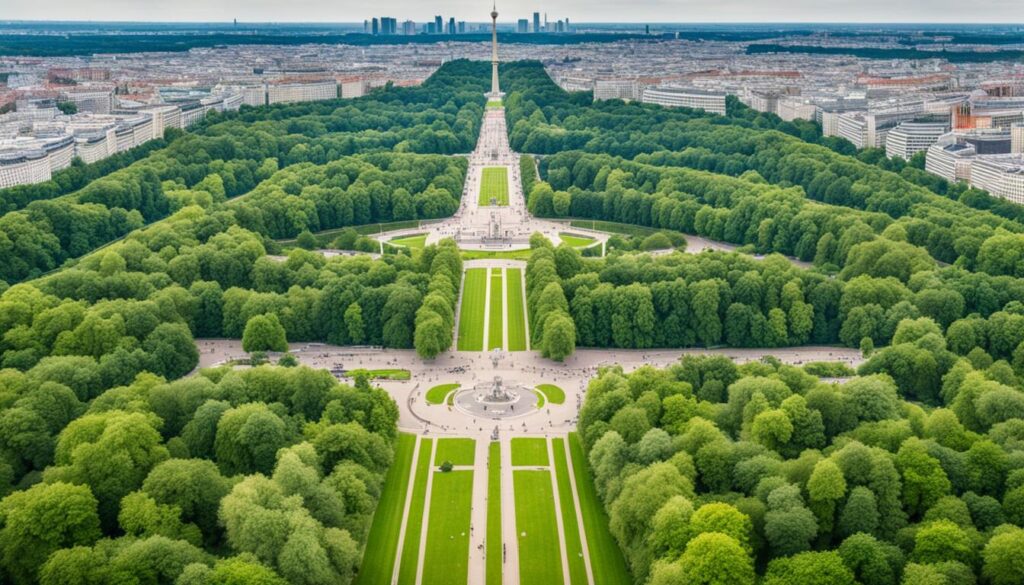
(492, 311)
(458, 510)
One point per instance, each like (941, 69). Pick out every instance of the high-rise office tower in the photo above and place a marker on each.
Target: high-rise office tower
(366, 27)
(536, 22)
(462, 27)
(523, 26)
(408, 28)
(375, 28)
(451, 25)
(439, 25)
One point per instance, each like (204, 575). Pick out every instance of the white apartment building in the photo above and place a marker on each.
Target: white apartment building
(709, 101)
(615, 89)
(254, 95)
(354, 89)
(287, 93)
(576, 83)
(1017, 139)
(762, 101)
(950, 160)
(910, 138)
(23, 167)
(795, 108)
(98, 146)
(24, 161)
(829, 122)
(97, 102)
(1001, 175)
(860, 129)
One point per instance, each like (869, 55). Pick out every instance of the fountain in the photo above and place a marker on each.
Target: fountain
(496, 399)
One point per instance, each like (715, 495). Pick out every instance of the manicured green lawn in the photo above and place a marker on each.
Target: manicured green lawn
(471, 312)
(495, 333)
(417, 241)
(530, 451)
(382, 544)
(540, 557)
(495, 254)
(494, 184)
(458, 451)
(516, 313)
(576, 241)
(555, 394)
(436, 394)
(605, 556)
(414, 523)
(447, 555)
(573, 544)
(493, 542)
(393, 374)
(493, 103)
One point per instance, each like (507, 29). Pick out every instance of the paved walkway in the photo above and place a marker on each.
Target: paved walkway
(509, 534)
(478, 516)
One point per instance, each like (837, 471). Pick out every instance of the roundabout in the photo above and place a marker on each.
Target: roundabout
(496, 400)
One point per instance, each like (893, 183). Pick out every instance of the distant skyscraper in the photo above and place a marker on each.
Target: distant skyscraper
(567, 24)
(366, 27)
(408, 28)
(451, 25)
(536, 22)
(438, 25)
(376, 26)
(523, 26)
(462, 27)
(431, 28)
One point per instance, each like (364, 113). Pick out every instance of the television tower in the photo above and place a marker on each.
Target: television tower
(495, 90)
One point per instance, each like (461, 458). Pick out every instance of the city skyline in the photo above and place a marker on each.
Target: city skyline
(600, 11)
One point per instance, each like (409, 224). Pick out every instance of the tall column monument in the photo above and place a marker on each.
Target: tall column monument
(495, 90)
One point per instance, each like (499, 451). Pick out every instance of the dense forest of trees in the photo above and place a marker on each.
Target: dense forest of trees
(761, 473)
(546, 120)
(230, 154)
(112, 464)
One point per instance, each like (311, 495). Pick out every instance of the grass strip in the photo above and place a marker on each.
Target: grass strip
(382, 544)
(471, 311)
(573, 544)
(494, 548)
(540, 556)
(414, 524)
(495, 328)
(457, 451)
(606, 559)
(447, 556)
(516, 311)
(530, 452)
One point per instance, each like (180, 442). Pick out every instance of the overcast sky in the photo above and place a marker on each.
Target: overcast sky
(949, 11)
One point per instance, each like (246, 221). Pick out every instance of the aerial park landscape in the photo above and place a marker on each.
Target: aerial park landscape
(488, 331)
